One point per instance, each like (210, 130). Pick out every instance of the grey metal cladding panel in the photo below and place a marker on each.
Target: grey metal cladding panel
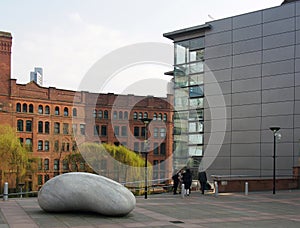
(297, 8)
(297, 54)
(286, 121)
(245, 163)
(246, 124)
(217, 88)
(297, 93)
(279, 40)
(278, 54)
(215, 113)
(217, 76)
(286, 135)
(277, 13)
(247, 20)
(247, 46)
(298, 23)
(247, 33)
(297, 107)
(217, 138)
(278, 108)
(219, 26)
(297, 65)
(220, 165)
(244, 111)
(218, 38)
(297, 79)
(298, 37)
(217, 100)
(278, 81)
(274, 95)
(224, 149)
(246, 85)
(280, 26)
(217, 125)
(218, 51)
(297, 135)
(245, 137)
(254, 172)
(245, 150)
(283, 149)
(274, 68)
(297, 121)
(246, 72)
(246, 98)
(218, 63)
(247, 59)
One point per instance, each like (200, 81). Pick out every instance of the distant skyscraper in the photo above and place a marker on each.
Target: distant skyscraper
(37, 75)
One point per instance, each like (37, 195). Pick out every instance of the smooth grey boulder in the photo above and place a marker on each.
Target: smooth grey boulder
(85, 192)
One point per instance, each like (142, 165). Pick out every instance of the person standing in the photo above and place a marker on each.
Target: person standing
(175, 178)
(202, 179)
(187, 180)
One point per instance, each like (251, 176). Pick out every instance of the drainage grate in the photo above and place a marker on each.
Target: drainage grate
(176, 222)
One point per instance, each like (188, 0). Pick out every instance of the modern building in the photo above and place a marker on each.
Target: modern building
(234, 79)
(52, 122)
(37, 76)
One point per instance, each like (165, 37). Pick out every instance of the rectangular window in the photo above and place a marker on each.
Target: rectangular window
(56, 128)
(67, 146)
(74, 129)
(56, 146)
(136, 147)
(162, 132)
(40, 179)
(66, 129)
(116, 130)
(46, 145)
(47, 127)
(82, 129)
(46, 164)
(63, 146)
(40, 145)
(162, 148)
(28, 143)
(143, 133)
(195, 127)
(196, 91)
(136, 131)
(28, 125)
(65, 165)
(196, 103)
(40, 164)
(155, 149)
(195, 139)
(124, 131)
(155, 132)
(196, 79)
(195, 151)
(56, 164)
(96, 130)
(103, 130)
(46, 178)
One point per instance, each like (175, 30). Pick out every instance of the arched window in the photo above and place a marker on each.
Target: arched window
(159, 116)
(100, 114)
(165, 117)
(47, 110)
(154, 116)
(135, 115)
(47, 127)
(74, 112)
(94, 113)
(66, 111)
(31, 108)
(28, 125)
(56, 111)
(24, 107)
(40, 126)
(115, 115)
(125, 115)
(140, 115)
(20, 125)
(105, 114)
(120, 115)
(18, 107)
(145, 115)
(40, 145)
(40, 109)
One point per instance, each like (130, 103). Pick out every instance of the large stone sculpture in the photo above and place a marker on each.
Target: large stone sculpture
(85, 192)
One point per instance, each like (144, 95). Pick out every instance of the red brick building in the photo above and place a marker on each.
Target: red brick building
(50, 121)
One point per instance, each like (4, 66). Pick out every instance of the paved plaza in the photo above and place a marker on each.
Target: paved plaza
(258, 209)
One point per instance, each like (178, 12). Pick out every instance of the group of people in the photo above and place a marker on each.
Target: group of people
(185, 177)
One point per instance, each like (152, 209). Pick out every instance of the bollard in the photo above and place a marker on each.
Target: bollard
(182, 191)
(216, 189)
(5, 193)
(246, 188)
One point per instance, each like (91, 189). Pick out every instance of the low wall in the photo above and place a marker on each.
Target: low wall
(237, 183)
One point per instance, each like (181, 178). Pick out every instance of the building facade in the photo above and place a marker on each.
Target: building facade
(51, 122)
(234, 79)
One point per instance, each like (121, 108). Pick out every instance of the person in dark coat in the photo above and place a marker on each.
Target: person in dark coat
(202, 179)
(175, 178)
(187, 181)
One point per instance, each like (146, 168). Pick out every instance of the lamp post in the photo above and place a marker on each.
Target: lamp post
(274, 130)
(146, 122)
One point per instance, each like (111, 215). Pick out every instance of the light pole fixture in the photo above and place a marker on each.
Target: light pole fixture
(274, 129)
(146, 122)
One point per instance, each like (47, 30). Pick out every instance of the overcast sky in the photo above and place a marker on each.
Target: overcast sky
(66, 37)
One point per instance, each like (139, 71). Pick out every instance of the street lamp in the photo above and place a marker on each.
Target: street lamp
(146, 121)
(274, 129)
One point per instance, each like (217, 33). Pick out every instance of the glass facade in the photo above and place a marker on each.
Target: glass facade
(188, 101)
